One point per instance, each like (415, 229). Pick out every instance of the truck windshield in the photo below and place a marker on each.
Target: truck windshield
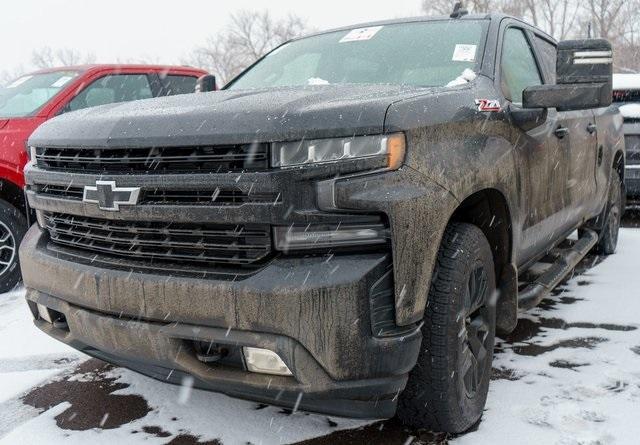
(26, 95)
(432, 53)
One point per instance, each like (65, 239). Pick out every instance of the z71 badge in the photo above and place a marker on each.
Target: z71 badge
(488, 105)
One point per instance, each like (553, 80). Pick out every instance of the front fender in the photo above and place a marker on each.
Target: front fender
(418, 210)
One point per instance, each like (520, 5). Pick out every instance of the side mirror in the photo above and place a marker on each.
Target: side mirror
(584, 71)
(206, 83)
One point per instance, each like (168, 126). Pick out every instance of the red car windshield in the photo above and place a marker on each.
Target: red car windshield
(28, 94)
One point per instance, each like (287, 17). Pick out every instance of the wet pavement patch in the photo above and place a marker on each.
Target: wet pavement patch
(390, 432)
(550, 304)
(187, 439)
(534, 350)
(505, 374)
(156, 431)
(528, 329)
(566, 364)
(93, 404)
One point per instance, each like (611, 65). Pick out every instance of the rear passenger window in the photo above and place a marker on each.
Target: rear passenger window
(112, 89)
(173, 84)
(548, 53)
(519, 68)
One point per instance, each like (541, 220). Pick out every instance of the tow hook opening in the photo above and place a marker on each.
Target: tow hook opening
(55, 318)
(210, 352)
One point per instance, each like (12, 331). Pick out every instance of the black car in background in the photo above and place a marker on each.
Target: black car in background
(626, 94)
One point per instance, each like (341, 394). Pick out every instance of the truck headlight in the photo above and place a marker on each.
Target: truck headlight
(318, 151)
(325, 236)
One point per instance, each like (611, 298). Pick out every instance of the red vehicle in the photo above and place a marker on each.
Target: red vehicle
(34, 98)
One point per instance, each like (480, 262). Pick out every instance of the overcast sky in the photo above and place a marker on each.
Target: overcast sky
(159, 30)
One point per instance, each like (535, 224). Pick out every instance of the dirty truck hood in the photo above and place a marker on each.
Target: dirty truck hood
(227, 117)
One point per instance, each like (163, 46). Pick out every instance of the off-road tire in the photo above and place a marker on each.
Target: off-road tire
(13, 226)
(436, 397)
(608, 235)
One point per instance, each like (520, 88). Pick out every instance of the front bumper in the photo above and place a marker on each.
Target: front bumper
(314, 313)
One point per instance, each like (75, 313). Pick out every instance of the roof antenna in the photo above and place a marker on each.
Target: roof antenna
(458, 11)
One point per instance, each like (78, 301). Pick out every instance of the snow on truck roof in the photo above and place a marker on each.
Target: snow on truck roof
(626, 81)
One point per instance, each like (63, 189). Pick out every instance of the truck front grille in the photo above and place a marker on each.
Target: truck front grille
(210, 244)
(220, 196)
(215, 159)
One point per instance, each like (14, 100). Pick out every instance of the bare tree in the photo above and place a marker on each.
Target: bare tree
(48, 58)
(7, 76)
(617, 21)
(248, 36)
(557, 17)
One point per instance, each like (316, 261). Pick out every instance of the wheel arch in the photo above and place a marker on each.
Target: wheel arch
(489, 210)
(13, 194)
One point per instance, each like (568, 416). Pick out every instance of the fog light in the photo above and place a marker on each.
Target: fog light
(264, 361)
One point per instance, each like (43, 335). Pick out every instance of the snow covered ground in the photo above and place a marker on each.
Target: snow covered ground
(570, 374)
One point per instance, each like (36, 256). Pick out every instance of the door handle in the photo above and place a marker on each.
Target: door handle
(592, 128)
(561, 132)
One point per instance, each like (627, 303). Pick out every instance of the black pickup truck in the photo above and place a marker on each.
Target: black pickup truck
(344, 227)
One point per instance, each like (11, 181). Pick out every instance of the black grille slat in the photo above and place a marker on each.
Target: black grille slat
(217, 159)
(199, 243)
(59, 191)
(217, 197)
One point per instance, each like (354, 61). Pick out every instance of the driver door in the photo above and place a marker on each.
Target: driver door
(543, 158)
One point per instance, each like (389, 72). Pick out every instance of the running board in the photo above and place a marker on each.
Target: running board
(565, 261)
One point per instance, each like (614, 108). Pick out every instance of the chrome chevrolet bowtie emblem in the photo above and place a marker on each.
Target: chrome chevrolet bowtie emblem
(110, 197)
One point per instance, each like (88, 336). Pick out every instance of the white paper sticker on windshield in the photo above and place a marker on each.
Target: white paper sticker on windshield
(465, 53)
(19, 81)
(61, 82)
(358, 35)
